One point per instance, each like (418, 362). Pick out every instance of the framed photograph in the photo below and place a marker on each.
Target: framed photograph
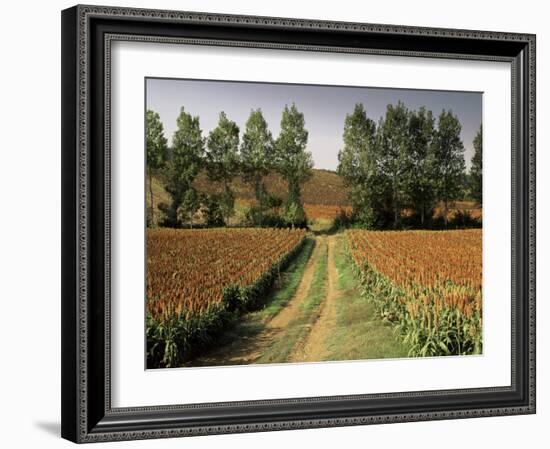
(276, 223)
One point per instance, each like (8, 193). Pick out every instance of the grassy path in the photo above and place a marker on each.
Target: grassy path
(358, 333)
(312, 348)
(316, 313)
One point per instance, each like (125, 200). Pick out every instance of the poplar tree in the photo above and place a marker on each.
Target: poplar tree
(419, 182)
(156, 149)
(222, 162)
(293, 162)
(476, 181)
(357, 165)
(393, 162)
(184, 166)
(448, 166)
(257, 156)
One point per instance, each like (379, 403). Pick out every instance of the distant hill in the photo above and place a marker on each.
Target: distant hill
(323, 195)
(325, 187)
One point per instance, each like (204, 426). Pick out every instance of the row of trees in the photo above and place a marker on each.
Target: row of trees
(406, 161)
(223, 156)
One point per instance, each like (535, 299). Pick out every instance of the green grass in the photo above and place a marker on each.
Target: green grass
(299, 327)
(320, 225)
(286, 287)
(359, 334)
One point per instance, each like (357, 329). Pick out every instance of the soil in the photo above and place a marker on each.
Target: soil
(313, 348)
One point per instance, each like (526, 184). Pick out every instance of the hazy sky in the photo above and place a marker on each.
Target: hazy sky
(324, 108)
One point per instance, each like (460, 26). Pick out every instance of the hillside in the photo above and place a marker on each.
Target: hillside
(324, 187)
(323, 195)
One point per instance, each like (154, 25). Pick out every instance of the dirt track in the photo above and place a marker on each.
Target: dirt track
(313, 347)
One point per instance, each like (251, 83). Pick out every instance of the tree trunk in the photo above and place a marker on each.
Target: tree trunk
(395, 207)
(294, 203)
(226, 213)
(422, 212)
(152, 219)
(259, 197)
(445, 207)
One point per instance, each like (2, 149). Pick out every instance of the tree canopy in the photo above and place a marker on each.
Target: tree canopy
(476, 184)
(184, 166)
(156, 150)
(398, 168)
(222, 165)
(257, 155)
(404, 163)
(393, 142)
(419, 182)
(293, 162)
(357, 164)
(448, 153)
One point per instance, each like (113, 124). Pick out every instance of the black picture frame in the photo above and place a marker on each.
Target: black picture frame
(87, 415)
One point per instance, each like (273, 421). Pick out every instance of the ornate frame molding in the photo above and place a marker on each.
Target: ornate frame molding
(80, 412)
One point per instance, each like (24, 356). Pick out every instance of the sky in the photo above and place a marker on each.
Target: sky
(324, 108)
